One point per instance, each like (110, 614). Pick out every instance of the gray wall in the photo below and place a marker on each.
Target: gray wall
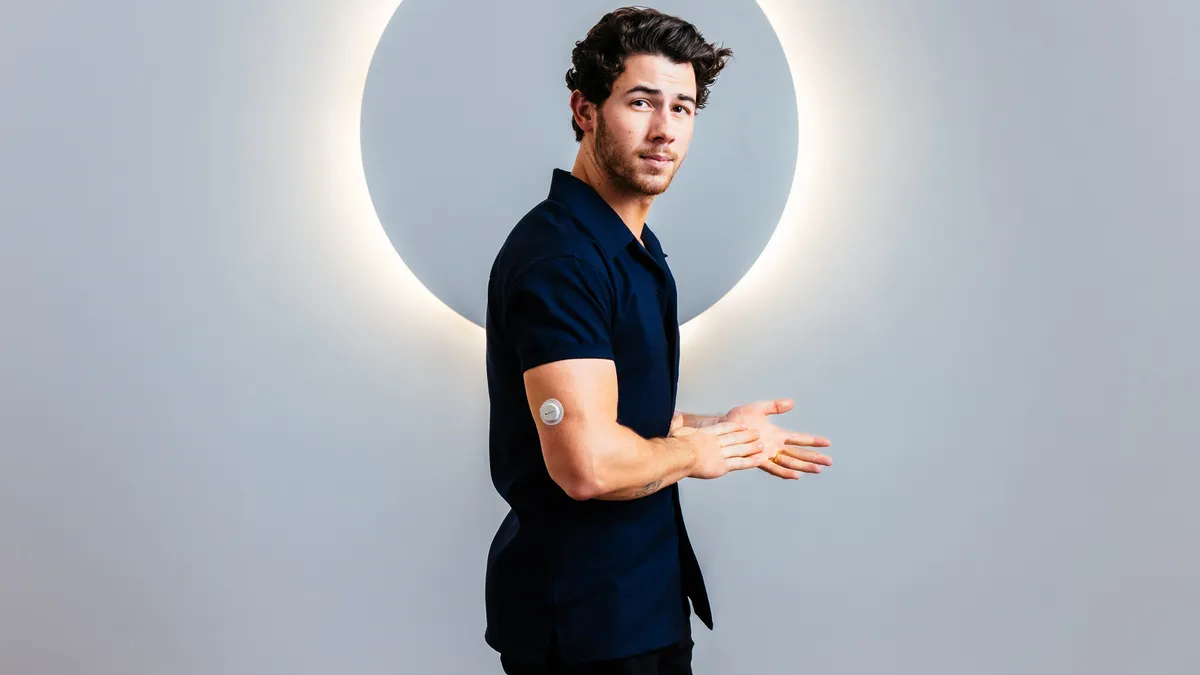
(225, 444)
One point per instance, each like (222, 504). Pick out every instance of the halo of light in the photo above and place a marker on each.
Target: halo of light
(769, 261)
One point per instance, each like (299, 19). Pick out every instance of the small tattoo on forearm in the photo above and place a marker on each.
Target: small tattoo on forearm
(648, 488)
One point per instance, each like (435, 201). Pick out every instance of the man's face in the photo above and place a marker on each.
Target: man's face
(643, 128)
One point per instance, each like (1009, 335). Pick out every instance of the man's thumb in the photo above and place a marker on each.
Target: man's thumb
(778, 406)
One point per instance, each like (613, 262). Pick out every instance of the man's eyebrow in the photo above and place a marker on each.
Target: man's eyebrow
(651, 91)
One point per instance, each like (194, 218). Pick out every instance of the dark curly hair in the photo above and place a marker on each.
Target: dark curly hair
(599, 58)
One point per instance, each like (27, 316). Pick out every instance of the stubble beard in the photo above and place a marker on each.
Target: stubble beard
(624, 170)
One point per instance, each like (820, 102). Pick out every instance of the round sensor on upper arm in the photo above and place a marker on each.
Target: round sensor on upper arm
(551, 412)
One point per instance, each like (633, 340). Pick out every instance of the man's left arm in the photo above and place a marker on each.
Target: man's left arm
(787, 453)
(697, 421)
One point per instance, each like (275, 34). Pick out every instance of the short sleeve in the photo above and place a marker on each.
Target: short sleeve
(559, 309)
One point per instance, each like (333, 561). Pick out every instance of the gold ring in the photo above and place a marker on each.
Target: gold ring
(776, 457)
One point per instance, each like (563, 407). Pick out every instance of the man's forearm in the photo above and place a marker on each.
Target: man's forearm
(633, 467)
(698, 421)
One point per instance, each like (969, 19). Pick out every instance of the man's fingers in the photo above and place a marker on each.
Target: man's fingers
(808, 440)
(738, 437)
(723, 428)
(740, 463)
(810, 456)
(780, 471)
(778, 406)
(789, 462)
(744, 449)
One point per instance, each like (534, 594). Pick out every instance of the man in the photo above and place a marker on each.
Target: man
(592, 568)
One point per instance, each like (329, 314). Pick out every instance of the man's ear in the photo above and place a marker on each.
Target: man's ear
(584, 111)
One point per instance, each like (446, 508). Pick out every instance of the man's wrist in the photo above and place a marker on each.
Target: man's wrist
(690, 451)
(683, 448)
(700, 421)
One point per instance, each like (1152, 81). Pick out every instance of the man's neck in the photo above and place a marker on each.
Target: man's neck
(631, 207)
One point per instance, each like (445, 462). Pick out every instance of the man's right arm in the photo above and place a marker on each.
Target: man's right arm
(591, 456)
(588, 453)
(557, 316)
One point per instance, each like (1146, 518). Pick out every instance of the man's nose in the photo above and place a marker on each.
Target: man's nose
(662, 127)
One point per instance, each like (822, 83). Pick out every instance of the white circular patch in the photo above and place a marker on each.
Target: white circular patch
(551, 412)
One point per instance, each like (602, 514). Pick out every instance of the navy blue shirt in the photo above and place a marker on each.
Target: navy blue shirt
(605, 579)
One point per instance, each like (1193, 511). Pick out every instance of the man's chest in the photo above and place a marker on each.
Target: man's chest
(645, 336)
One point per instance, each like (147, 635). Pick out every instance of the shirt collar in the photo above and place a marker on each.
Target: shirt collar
(596, 216)
(653, 245)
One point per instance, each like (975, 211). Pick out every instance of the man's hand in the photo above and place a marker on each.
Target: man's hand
(784, 453)
(720, 448)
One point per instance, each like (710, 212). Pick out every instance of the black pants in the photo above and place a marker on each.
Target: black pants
(672, 660)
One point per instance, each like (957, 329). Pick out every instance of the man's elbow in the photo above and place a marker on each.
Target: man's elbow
(581, 491)
(578, 476)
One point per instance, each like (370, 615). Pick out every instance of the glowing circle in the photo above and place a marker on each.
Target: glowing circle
(465, 112)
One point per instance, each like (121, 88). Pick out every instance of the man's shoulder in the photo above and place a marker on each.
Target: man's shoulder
(545, 233)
